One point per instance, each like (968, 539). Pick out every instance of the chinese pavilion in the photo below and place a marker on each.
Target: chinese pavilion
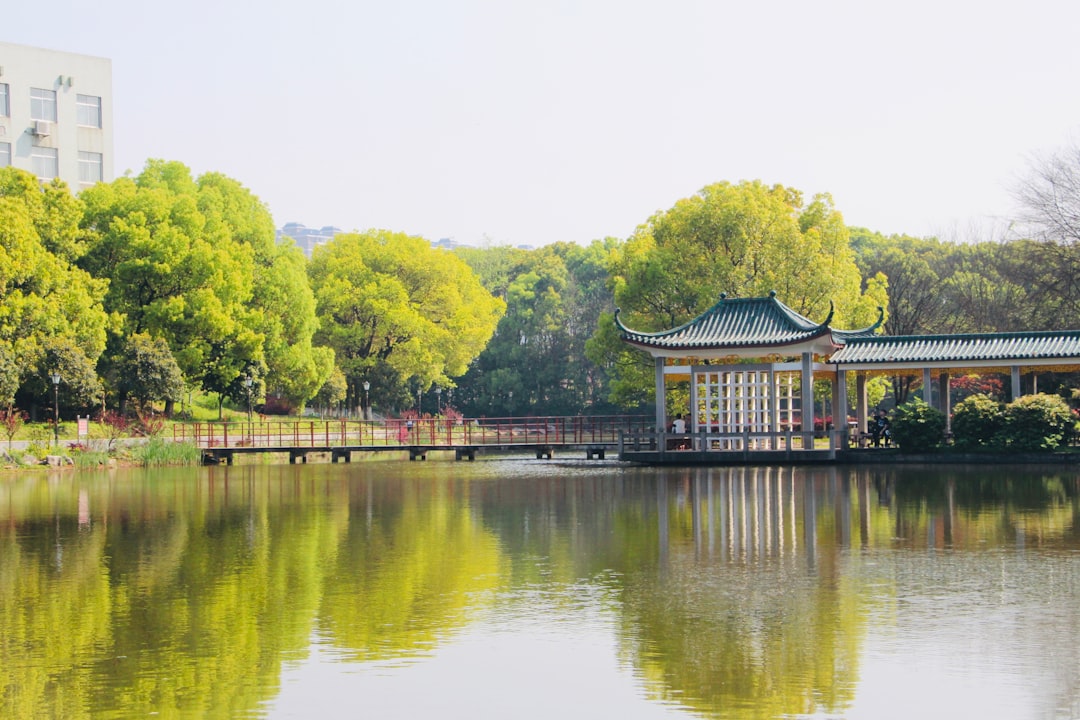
(750, 362)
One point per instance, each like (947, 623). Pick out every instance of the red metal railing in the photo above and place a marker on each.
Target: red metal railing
(424, 432)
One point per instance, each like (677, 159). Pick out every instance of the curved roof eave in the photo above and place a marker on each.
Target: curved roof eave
(738, 324)
(868, 331)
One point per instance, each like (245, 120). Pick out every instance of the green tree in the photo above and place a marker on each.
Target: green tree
(9, 376)
(147, 371)
(554, 296)
(175, 274)
(745, 240)
(44, 300)
(195, 262)
(394, 309)
(333, 391)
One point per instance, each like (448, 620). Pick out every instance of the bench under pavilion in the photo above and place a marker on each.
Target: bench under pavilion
(750, 362)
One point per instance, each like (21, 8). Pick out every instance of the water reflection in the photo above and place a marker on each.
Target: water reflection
(713, 592)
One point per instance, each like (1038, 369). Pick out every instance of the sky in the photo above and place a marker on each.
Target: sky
(523, 123)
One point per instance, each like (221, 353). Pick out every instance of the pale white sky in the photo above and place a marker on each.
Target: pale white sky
(530, 122)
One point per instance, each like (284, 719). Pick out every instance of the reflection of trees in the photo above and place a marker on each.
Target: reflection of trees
(163, 593)
(174, 596)
(54, 603)
(970, 507)
(406, 575)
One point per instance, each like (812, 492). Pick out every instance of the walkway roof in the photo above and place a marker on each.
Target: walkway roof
(745, 327)
(1058, 347)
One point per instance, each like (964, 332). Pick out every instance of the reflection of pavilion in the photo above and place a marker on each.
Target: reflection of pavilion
(762, 513)
(751, 364)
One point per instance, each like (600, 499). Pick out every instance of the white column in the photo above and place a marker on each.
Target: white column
(839, 408)
(1015, 382)
(927, 387)
(661, 399)
(693, 424)
(861, 400)
(807, 402)
(945, 400)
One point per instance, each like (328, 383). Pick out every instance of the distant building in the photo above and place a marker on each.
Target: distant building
(56, 114)
(307, 239)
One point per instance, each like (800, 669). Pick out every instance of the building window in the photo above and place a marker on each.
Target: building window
(89, 167)
(88, 108)
(5, 154)
(42, 104)
(5, 106)
(43, 162)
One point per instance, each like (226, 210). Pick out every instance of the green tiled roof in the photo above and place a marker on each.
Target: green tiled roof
(741, 323)
(956, 348)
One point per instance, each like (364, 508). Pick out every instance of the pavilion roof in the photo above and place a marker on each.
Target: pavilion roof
(982, 347)
(742, 324)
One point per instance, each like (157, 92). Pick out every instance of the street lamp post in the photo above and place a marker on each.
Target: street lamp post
(247, 384)
(510, 404)
(438, 400)
(366, 413)
(55, 377)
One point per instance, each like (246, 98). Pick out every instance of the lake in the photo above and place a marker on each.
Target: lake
(522, 588)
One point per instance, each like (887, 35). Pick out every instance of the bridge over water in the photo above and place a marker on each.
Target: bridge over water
(594, 435)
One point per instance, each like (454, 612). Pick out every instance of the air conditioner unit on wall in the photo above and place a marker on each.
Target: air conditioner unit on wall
(42, 128)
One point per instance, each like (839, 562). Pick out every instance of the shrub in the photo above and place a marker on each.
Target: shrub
(150, 424)
(1036, 422)
(917, 427)
(976, 421)
(11, 420)
(116, 426)
(275, 405)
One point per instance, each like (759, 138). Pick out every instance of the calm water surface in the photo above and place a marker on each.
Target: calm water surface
(539, 589)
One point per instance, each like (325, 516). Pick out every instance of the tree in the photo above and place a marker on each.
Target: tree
(1050, 196)
(9, 376)
(147, 372)
(333, 391)
(912, 267)
(44, 300)
(285, 303)
(175, 273)
(195, 263)
(394, 309)
(1050, 200)
(79, 383)
(745, 240)
(554, 298)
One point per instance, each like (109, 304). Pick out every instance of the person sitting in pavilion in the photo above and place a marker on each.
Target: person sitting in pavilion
(880, 429)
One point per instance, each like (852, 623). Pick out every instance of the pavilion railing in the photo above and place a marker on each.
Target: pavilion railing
(741, 441)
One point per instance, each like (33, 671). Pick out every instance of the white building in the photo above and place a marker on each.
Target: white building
(56, 114)
(307, 239)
